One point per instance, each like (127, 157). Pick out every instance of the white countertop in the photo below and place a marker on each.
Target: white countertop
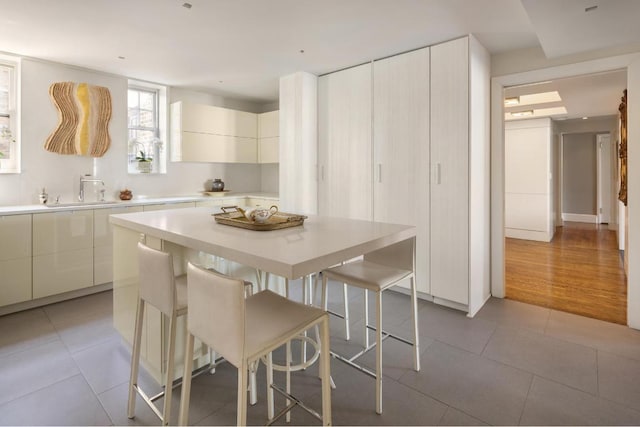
(142, 200)
(290, 252)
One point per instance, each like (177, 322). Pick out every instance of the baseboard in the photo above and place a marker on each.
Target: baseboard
(26, 305)
(517, 233)
(592, 219)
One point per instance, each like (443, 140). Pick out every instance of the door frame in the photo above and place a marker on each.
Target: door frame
(604, 179)
(498, 84)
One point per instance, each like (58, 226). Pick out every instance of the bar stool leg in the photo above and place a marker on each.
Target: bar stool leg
(288, 378)
(414, 309)
(379, 352)
(305, 300)
(168, 387)
(135, 359)
(345, 297)
(366, 318)
(253, 383)
(242, 394)
(186, 382)
(270, 405)
(325, 373)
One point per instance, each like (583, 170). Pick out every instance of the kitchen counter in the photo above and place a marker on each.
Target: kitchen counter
(136, 201)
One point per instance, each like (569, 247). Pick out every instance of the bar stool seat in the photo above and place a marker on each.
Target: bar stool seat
(368, 275)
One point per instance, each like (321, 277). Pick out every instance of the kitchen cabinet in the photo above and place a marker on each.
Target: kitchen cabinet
(204, 133)
(103, 242)
(459, 191)
(401, 149)
(15, 259)
(410, 145)
(62, 252)
(268, 137)
(344, 143)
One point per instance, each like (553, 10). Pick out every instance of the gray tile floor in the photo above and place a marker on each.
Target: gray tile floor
(512, 364)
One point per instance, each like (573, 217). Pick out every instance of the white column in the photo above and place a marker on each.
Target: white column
(298, 143)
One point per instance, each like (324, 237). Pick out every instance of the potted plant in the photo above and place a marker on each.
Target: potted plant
(144, 162)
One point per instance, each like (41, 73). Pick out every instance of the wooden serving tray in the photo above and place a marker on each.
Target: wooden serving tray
(277, 221)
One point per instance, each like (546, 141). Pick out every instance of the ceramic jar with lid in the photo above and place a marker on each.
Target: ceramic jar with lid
(217, 185)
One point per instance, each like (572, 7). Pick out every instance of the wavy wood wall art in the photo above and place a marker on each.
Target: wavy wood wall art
(84, 112)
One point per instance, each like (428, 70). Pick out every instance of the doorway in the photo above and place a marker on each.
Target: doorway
(562, 175)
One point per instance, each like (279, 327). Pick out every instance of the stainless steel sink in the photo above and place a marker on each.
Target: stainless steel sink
(81, 204)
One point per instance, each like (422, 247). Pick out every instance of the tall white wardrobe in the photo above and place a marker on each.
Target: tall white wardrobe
(405, 139)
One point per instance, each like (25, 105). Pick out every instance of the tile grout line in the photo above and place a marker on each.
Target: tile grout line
(524, 405)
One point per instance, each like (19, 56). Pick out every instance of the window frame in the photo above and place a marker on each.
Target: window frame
(158, 149)
(12, 163)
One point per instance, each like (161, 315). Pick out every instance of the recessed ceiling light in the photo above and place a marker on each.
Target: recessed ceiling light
(533, 98)
(187, 5)
(522, 113)
(508, 102)
(538, 112)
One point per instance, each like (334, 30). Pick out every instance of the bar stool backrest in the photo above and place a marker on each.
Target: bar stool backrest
(156, 278)
(399, 255)
(217, 312)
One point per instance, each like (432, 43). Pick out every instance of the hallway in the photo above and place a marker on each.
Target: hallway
(580, 271)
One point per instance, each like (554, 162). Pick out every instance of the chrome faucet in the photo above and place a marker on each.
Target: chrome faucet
(87, 178)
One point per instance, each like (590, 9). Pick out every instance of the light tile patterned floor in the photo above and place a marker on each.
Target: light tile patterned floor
(511, 364)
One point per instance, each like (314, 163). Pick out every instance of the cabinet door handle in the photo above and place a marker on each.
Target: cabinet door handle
(380, 172)
(438, 174)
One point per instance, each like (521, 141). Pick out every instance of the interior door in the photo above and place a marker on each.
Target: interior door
(603, 144)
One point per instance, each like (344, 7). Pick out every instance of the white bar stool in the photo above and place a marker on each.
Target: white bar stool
(378, 271)
(159, 287)
(243, 330)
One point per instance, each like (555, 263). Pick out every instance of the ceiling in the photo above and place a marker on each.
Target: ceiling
(240, 48)
(590, 95)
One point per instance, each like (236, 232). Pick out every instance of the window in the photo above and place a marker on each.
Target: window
(9, 148)
(146, 149)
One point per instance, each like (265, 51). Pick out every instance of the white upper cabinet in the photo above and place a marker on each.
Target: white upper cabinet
(268, 137)
(344, 143)
(401, 148)
(203, 133)
(217, 120)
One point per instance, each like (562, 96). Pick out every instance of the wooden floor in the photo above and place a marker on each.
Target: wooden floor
(580, 271)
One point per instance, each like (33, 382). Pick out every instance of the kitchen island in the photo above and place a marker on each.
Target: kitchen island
(192, 235)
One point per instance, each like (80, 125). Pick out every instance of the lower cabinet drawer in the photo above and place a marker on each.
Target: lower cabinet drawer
(15, 286)
(102, 265)
(62, 272)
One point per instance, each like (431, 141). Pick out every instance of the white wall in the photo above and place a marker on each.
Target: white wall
(528, 189)
(60, 173)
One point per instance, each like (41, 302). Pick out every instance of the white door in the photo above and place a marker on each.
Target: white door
(603, 144)
(344, 143)
(401, 148)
